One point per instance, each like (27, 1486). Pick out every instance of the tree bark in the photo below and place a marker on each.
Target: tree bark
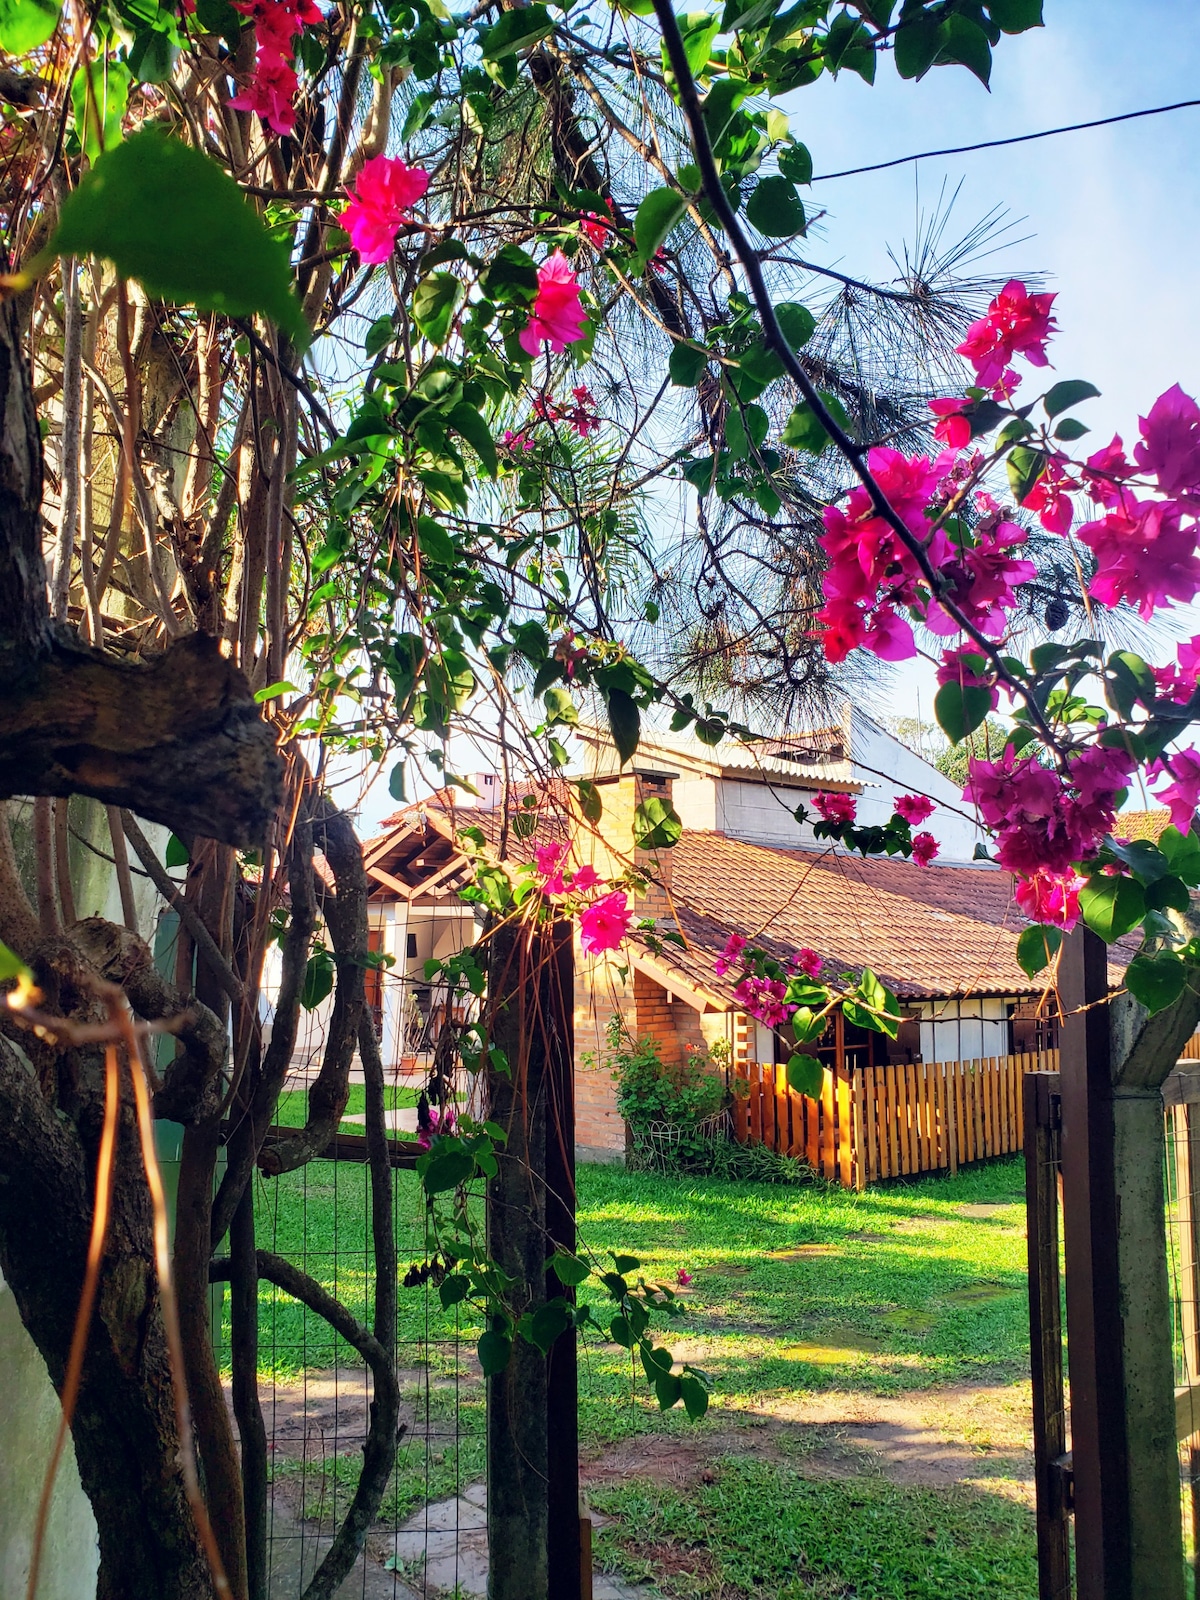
(124, 1429)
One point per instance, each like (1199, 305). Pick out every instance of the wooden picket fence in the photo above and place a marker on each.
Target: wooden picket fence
(882, 1122)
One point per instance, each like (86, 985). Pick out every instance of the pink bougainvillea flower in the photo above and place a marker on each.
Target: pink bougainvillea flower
(914, 808)
(1183, 795)
(582, 879)
(836, 807)
(683, 1278)
(924, 848)
(377, 209)
(517, 441)
(807, 961)
(763, 998)
(1105, 471)
(1051, 898)
(596, 228)
(1040, 825)
(547, 857)
(604, 924)
(1170, 446)
(1006, 385)
(442, 1120)
(1145, 553)
(557, 316)
(953, 427)
(1050, 500)
(1016, 323)
(272, 89)
(734, 946)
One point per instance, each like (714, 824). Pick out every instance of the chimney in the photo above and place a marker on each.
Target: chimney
(609, 845)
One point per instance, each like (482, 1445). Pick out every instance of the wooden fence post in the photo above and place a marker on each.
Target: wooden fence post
(1041, 1117)
(1099, 1457)
(532, 1440)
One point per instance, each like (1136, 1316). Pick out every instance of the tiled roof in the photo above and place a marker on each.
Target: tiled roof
(817, 758)
(925, 931)
(1141, 824)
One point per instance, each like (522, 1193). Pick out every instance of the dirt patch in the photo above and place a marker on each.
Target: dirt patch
(935, 1438)
(327, 1413)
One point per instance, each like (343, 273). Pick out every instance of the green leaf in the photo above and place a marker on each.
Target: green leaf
(273, 691)
(516, 30)
(621, 1333)
(511, 276)
(775, 209)
(698, 29)
(590, 803)
(561, 707)
(1070, 429)
(1112, 906)
(435, 301)
(655, 825)
(1156, 981)
(965, 42)
(694, 1396)
(1168, 893)
(446, 1168)
(796, 323)
(569, 1270)
(435, 543)
(1182, 851)
(656, 216)
(624, 1264)
(1068, 393)
(803, 430)
(1025, 467)
(1037, 947)
(396, 783)
(99, 97)
(453, 1290)
(218, 17)
(318, 979)
(656, 1363)
(26, 24)
(167, 215)
(960, 709)
(465, 419)
(808, 1024)
(546, 1323)
(625, 723)
(152, 58)
(1143, 858)
(805, 1075)
(1015, 16)
(916, 47)
(494, 1348)
(668, 1390)
(687, 365)
(177, 853)
(796, 163)
(11, 966)
(745, 430)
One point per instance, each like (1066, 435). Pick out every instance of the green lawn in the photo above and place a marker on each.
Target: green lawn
(796, 1292)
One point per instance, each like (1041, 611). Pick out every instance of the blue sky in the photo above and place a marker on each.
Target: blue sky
(1113, 214)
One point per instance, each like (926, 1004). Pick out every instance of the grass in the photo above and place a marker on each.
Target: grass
(903, 1291)
(293, 1104)
(763, 1530)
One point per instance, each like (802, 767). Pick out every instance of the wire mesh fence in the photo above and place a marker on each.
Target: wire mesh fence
(429, 1536)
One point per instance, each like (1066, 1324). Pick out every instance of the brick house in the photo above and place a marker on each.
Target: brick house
(943, 937)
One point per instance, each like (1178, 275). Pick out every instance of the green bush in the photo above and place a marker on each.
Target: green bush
(754, 1163)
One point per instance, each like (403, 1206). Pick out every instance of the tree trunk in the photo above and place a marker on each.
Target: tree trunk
(126, 1442)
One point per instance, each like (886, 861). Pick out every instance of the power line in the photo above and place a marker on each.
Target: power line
(994, 144)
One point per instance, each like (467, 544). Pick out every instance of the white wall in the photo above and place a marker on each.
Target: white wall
(873, 752)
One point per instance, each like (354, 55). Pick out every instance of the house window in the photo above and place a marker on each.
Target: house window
(410, 947)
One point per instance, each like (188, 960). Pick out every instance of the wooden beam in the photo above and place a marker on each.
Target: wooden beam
(404, 890)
